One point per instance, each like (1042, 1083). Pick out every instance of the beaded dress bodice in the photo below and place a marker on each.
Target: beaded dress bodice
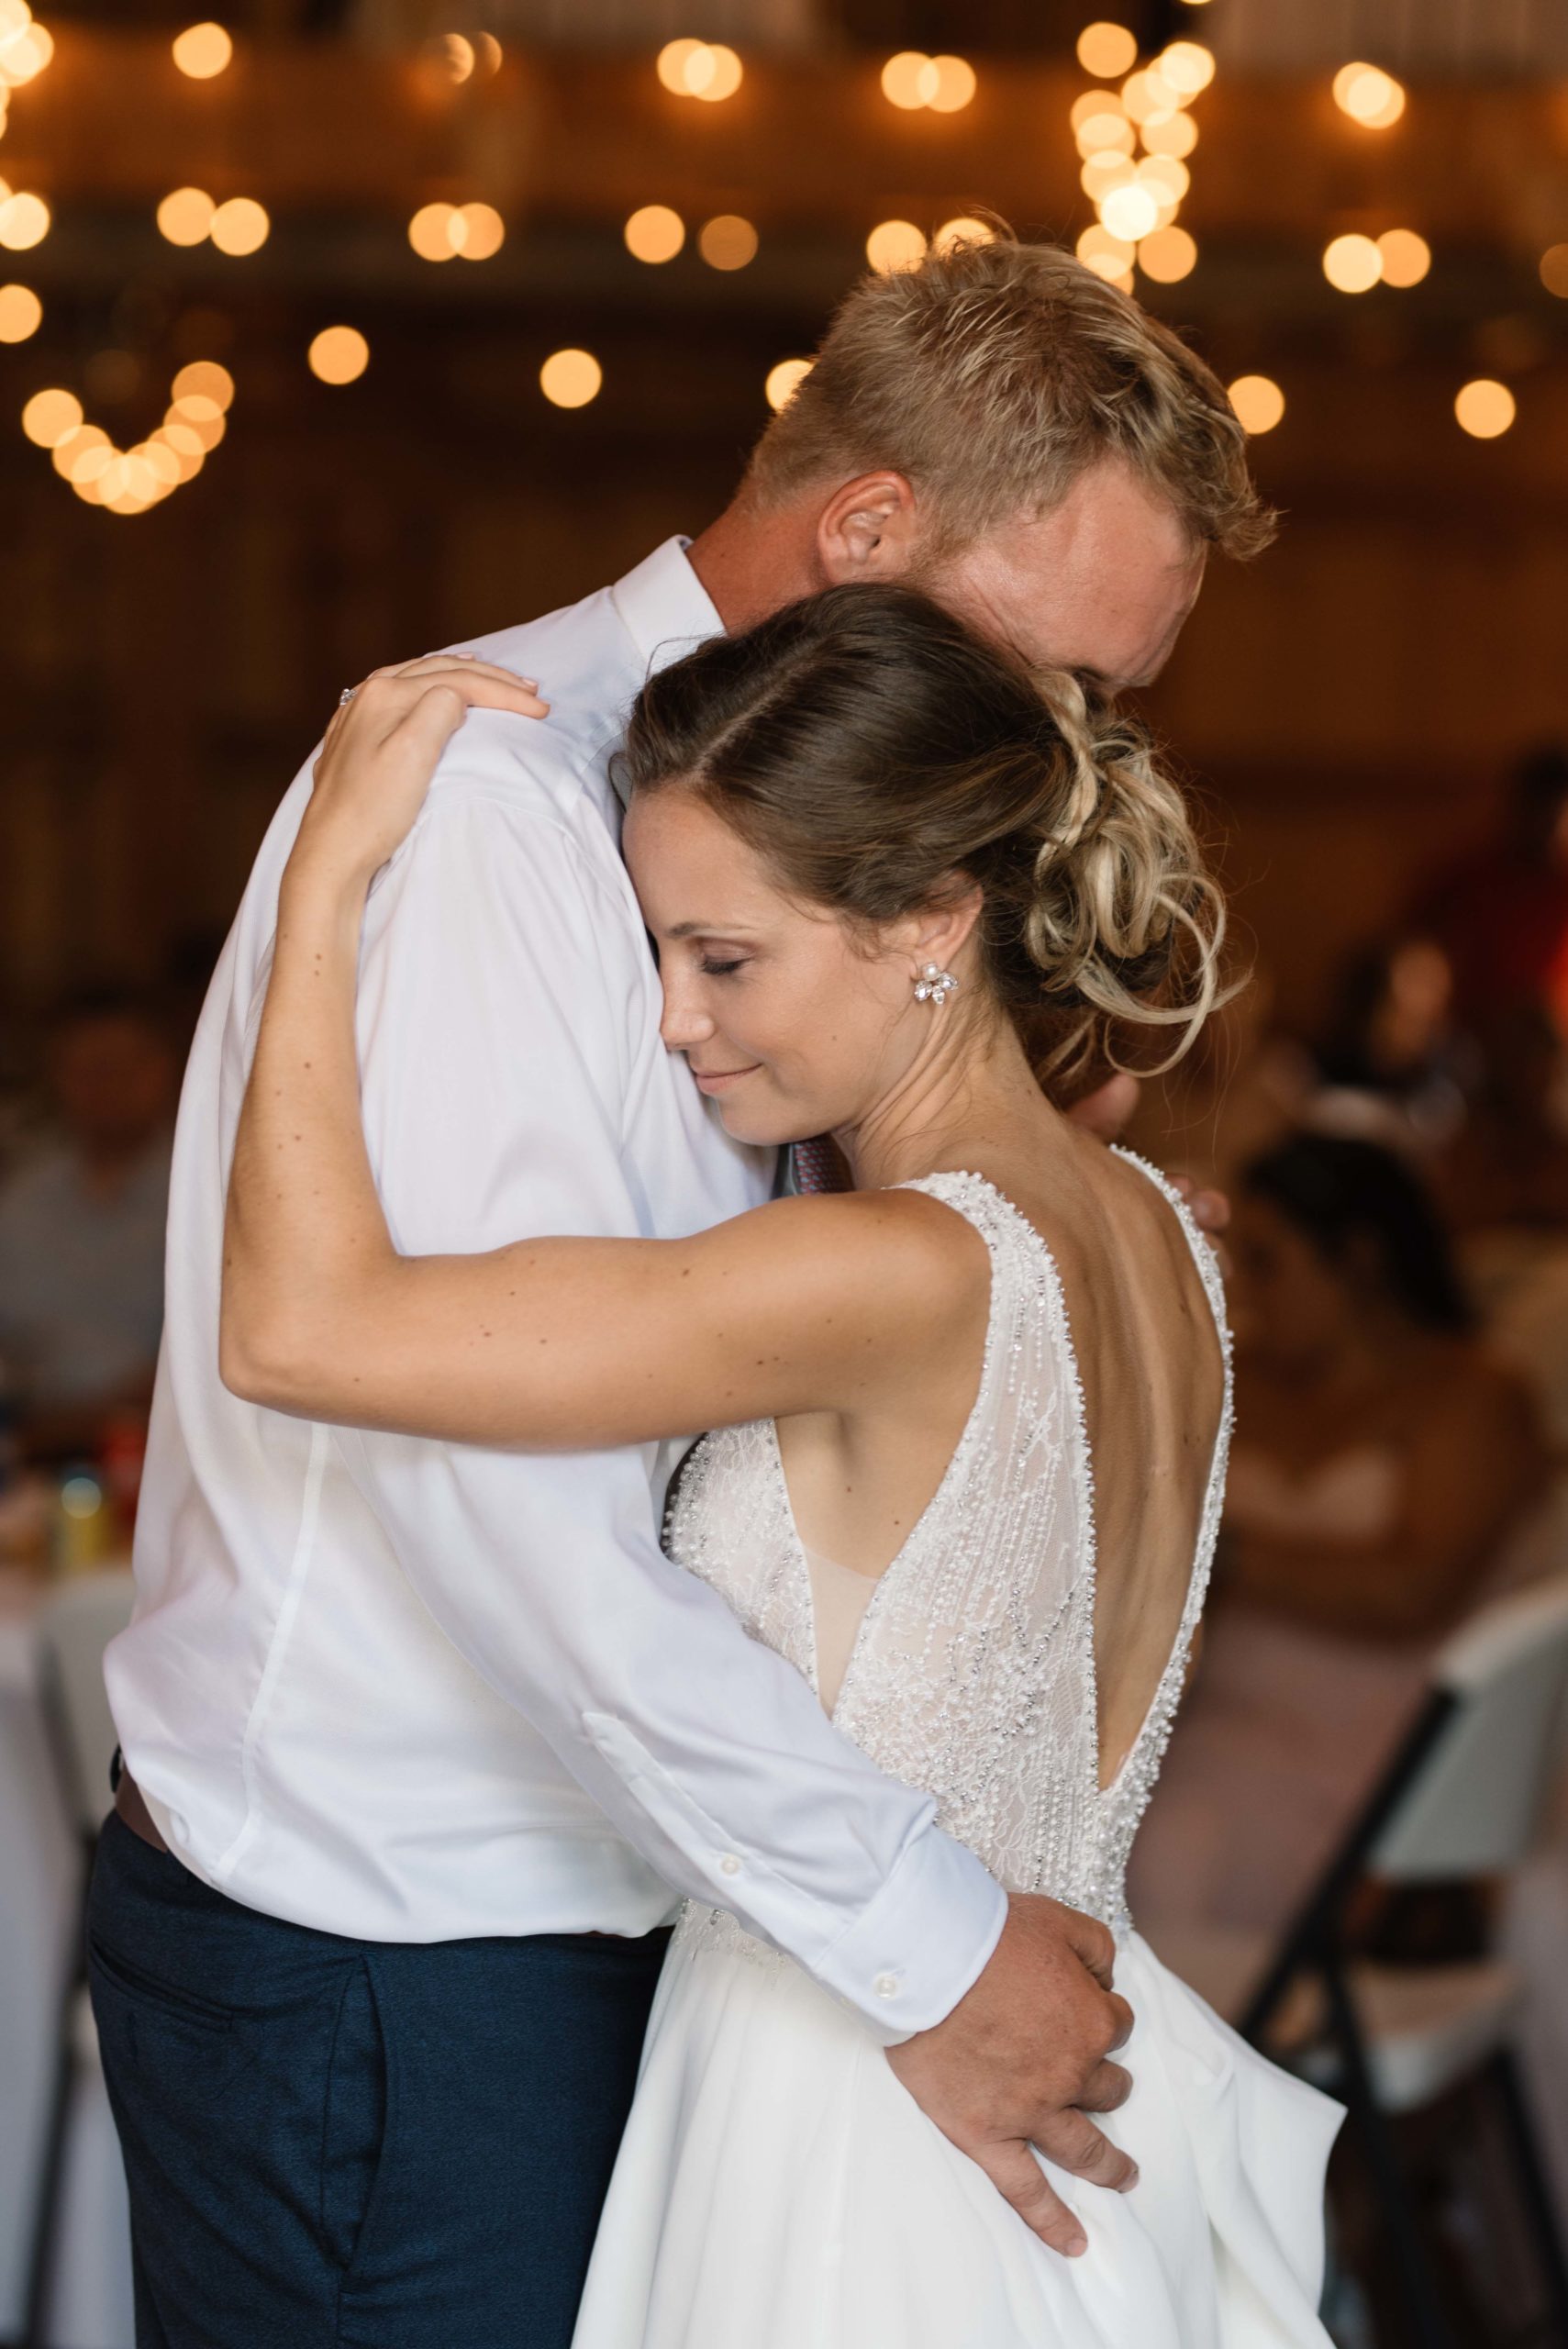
(972, 1676)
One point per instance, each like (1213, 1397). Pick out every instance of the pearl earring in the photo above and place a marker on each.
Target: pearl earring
(934, 985)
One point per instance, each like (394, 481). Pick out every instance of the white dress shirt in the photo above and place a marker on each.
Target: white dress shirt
(414, 1691)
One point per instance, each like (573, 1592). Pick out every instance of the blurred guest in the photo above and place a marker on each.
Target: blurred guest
(1380, 1458)
(1509, 1167)
(1390, 1066)
(82, 1229)
(1500, 911)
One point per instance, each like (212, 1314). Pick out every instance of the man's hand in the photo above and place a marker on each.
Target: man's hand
(1108, 1112)
(1021, 2061)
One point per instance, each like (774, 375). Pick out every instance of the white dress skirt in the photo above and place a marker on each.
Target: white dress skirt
(777, 2186)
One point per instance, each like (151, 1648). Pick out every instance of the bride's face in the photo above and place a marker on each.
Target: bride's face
(791, 1023)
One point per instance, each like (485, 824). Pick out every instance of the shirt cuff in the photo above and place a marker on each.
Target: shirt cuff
(925, 1940)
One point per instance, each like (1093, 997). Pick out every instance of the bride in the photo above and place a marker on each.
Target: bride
(969, 1421)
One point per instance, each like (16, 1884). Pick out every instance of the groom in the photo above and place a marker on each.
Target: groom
(419, 1738)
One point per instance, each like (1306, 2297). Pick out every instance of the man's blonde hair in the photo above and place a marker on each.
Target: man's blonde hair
(991, 377)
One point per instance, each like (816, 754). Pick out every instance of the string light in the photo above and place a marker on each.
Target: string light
(239, 227)
(431, 232)
(1186, 66)
(1484, 408)
(50, 416)
(963, 231)
(454, 54)
(699, 68)
(339, 355)
(1104, 133)
(570, 378)
(911, 80)
(727, 241)
(1173, 134)
(24, 220)
(1147, 97)
(203, 380)
(1258, 401)
(1101, 174)
(784, 380)
(1352, 264)
(1109, 257)
(185, 216)
(1368, 95)
(490, 53)
(1554, 271)
(654, 233)
(894, 245)
(1406, 257)
(1131, 212)
(1167, 256)
(26, 48)
(479, 231)
(203, 51)
(21, 313)
(1107, 50)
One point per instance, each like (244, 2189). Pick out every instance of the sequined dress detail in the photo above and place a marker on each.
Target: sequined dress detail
(973, 1676)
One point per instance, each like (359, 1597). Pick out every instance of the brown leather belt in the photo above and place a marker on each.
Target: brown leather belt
(132, 1809)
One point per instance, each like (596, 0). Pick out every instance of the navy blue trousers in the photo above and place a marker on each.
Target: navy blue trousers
(336, 2141)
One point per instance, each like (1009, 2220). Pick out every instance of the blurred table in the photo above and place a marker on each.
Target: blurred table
(41, 1895)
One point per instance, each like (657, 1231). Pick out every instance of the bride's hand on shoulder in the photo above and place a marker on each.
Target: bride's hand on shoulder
(382, 748)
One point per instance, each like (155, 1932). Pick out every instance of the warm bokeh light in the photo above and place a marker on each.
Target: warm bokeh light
(50, 416)
(1406, 258)
(202, 50)
(239, 227)
(1166, 176)
(654, 233)
(1187, 66)
(727, 241)
(478, 231)
(198, 415)
(1131, 212)
(1149, 97)
(82, 454)
(1258, 401)
(339, 355)
(1167, 256)
(1368, 95)
(895, 244)
(1107, 50)
(1106, 133)
(1089, 102)
(1103, 173)
(963, 231)
(784, 380)
(431, 232)
(1171, 134)
(455, 55)
(21, 313)
(489, 51)
(185, 216)
(26, 48)
(203, 379)
(1352, 264)
(24, 222)
(956, 83)
(699, 68)
(1484, 408)
(909, 79)
(570, 378)
(1106, 255)
(1554, 271)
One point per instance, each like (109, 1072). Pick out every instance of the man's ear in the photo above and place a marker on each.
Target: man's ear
(867, 530)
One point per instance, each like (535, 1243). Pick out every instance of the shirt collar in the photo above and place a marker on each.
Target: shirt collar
(664, 607)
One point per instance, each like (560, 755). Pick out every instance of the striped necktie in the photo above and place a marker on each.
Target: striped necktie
(817, 1165)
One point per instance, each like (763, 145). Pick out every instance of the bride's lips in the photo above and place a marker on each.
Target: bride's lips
(715, 1080)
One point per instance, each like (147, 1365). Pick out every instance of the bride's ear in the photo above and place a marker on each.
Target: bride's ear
(944, 933)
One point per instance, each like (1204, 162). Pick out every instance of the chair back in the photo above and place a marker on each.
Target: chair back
(1473, 1808)
(74, 1628)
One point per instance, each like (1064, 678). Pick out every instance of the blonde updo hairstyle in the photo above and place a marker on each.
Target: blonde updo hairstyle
(882, 759)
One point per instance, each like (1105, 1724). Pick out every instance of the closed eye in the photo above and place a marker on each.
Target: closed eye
(711, 969)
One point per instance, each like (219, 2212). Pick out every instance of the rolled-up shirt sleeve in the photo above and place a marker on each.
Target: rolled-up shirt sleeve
(504, 1028)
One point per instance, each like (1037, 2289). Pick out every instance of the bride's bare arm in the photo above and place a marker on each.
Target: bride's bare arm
(553, 1342)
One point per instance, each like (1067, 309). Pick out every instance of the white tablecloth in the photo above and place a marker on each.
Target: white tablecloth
(41, 1891)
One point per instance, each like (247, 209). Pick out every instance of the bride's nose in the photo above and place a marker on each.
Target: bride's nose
(685, 1022)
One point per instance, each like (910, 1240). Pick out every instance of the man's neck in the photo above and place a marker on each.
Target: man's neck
(752, 563)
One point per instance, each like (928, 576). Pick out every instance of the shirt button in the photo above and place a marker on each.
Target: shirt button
(887, 1986)
(729, 1864)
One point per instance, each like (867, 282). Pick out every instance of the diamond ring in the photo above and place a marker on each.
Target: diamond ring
(347, 695)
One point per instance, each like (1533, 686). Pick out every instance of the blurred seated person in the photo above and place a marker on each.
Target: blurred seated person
(1381, 1460)
(1390, 1066)
(1499, 911)
(82, 1229)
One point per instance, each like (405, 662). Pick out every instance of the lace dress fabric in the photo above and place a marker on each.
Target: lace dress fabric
(973, 1675)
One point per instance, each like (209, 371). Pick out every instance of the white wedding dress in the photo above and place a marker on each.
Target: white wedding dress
(777, 2187)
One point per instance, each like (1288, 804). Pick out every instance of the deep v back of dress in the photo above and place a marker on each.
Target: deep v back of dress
(777, 2184)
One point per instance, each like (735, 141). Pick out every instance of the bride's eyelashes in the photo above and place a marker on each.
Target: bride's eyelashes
(712, 967)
